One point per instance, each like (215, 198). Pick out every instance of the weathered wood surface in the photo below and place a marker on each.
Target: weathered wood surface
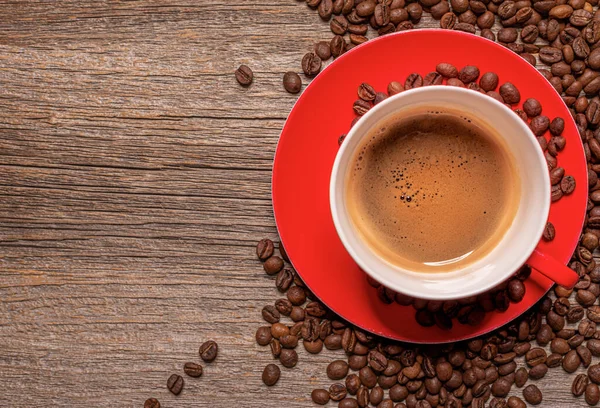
(134, 183)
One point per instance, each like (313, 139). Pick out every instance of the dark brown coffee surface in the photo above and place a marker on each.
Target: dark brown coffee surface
(432, 190)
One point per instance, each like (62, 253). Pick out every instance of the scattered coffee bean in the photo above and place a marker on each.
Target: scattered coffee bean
(292, 82)
(244, 75)
(271, 375)
(311, 64)
(151, 403)
(532, 394)
(208, 351)
(192, 369)
(175, 384)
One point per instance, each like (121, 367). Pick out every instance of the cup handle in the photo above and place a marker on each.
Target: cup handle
(552, 269)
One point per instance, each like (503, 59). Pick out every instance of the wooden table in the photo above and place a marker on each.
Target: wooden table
(134, 185)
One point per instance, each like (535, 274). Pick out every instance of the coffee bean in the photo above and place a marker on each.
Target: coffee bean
(535, 356)
(271, 374)
(313, 347)
(263, 335)
(539, 125)
(515, 402)
(567, 185)
(510, 93)
(320, 396)
(337, 45)
(151, 403)
(244, 75)
(395, 88)
(468, 74)
(288, 358)
(433, 78)
(296, 295)
(337, 392)
(337, 369)
(448, 21)
(538, 372)
(501, 388)
(192, 369)
(592, 394)
(455, 82)
(264, 249)
(488, 81)
(362, 397)
(311, 64)
(292, 82)
(376, 395)
(532, 394)
(352, 384)
(516, 290)
(175, 384)
(208, 351)
(521, 376)
(273, 265)
(366, 92)
(275, 347)
(367, 377)
(447, 70)
(571, 361)
(279, 330)
(361, 107)
(414, 80)
(270, 314)
(333, 342)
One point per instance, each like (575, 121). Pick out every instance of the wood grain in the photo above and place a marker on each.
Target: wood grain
(134, 184)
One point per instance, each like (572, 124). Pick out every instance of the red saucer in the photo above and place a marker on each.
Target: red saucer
(308, 146)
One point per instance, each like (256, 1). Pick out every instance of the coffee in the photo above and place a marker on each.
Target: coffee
(432, 190)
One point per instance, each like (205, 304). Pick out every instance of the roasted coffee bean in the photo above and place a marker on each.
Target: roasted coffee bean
(532, 394)
(366, 92)
(532, 107)
(414, 80)
(278, 330)
(367, 377)
(571, 361)
(288, 341)
(468, 74)
(507, 35)
(333, 342)
(538, 372)
(357, 362)
(337, 369)
(379, 97)
(263, 335)
(579, 385)
(244, 75)
(175, 384)
(297, 314)
(515, 402)
(275, 347)
(535, 356)
(192, 369)
(288, 358)
(273, 265)
(521, 376)
(360, 108)
(337, 392)
(576, 340)
(270, 314)
(311, 64)
(395, 88)
(352, 384)
(510, 93)
(271, 374)
(592, 394)
(296, 295)
(447, 70)
(433, 78)
(489, 81)
(585, 355)
(560, 346)
(208, 351)
(292, 82)
(151, 403)
(448, 21)
(264, 249)
(567, 185)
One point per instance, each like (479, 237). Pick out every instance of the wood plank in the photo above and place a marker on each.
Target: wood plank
(134, 184)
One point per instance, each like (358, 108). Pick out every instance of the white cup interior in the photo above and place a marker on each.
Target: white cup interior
(519, 240)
